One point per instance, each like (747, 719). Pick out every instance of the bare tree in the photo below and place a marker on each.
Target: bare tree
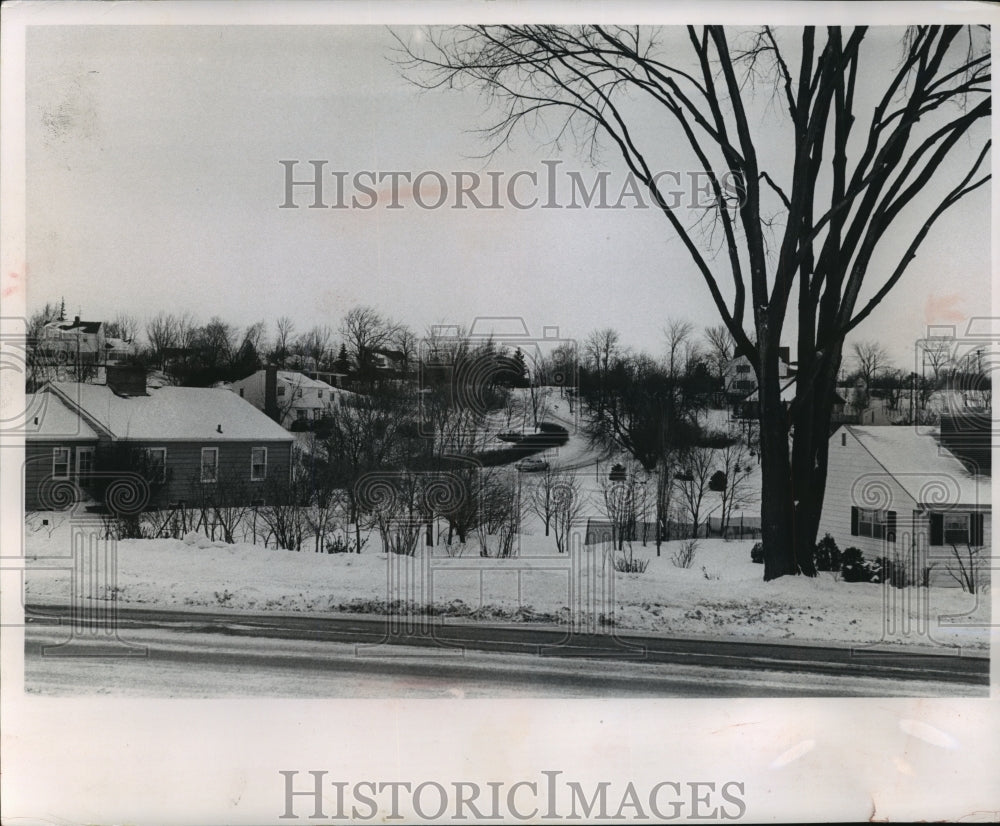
(124, 326)
(721, 348)
(569, 500)
(284, 336)
(405, 341)
(938, 353)
(316, 344)
(163, 333)
(693, 482)
(967, 566)
(682, 349)
(871, 359)
(734, 462)
(812, 226)
(366, 331)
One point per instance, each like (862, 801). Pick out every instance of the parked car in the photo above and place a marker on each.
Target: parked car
(510, 436)
(532, 465)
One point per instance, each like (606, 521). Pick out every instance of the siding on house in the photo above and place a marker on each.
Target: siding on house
(38, 470)
(183, 466)
(858, 480)
(180, 421)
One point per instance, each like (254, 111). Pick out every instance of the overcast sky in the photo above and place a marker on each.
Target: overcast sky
(154, 182)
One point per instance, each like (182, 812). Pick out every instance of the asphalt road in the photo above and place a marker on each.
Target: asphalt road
(375, 656)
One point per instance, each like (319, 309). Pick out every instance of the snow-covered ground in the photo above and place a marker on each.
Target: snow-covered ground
(721, 595)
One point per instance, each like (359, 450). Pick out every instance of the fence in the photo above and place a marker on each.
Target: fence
(739, 527)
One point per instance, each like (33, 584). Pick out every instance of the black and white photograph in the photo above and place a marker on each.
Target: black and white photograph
(478, 413)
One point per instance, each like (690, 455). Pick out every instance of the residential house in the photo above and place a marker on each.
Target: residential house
(896, 492)
(288, 396)
(183, 440)
(739, 379)
(76, 342)
(748, 406)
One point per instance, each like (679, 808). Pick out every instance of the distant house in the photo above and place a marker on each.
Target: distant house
(739, 379)
(188, 439)
(748, 407)
(894, 491)
(76, 341)
(287, 396)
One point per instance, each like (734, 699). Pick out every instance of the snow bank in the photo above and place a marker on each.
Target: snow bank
(721, 595)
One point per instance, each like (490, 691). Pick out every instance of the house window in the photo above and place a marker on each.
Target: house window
(956, 529)
(258, 464)
(60, 463)
(156, 458)
(301, 414)
(298, 393)
(742, 368)
(843, 440)
(877, 524)
(320, 391)
(241, 392)
(84, 464)
(281, 390)
(209, 464)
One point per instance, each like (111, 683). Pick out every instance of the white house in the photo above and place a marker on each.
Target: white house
(289, 397)
(73, 341)
(896, 492)
(739, 378)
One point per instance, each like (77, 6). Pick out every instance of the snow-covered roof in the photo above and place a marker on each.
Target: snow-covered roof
(173, 413)
(302, 380)
(50, 418)
(928, 472)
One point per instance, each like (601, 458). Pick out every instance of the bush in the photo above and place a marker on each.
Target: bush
(626, 563)
(717, 482)
(827, 555)
(683, 557)
(757, 553)
(853, 567)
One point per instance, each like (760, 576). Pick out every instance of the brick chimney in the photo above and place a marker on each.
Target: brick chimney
(126, 380)
(271, 392)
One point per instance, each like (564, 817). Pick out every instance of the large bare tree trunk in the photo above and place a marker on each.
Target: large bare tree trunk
(776, 497)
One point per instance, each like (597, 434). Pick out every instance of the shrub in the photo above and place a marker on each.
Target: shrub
(683, 557)
(626, 563)
(339, 545)
(757, 553)
(853, 567)
(827, 555)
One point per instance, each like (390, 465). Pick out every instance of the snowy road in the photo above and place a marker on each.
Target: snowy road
(187, 660)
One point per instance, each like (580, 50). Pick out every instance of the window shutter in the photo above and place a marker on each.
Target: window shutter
(890, 526)
(976, 529)
(937, 529)
(854, 521)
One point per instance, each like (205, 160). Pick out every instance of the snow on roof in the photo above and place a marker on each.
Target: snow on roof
(302, 380)
(917, 461)
(50, 418)
(173, 413)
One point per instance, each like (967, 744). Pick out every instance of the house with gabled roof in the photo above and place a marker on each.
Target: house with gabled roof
(288, 396)
(188, 438)
(898, 492)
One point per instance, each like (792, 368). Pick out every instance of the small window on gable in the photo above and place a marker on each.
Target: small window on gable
(843, 440)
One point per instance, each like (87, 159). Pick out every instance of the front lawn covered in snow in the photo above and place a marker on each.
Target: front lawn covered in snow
(722, 594)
